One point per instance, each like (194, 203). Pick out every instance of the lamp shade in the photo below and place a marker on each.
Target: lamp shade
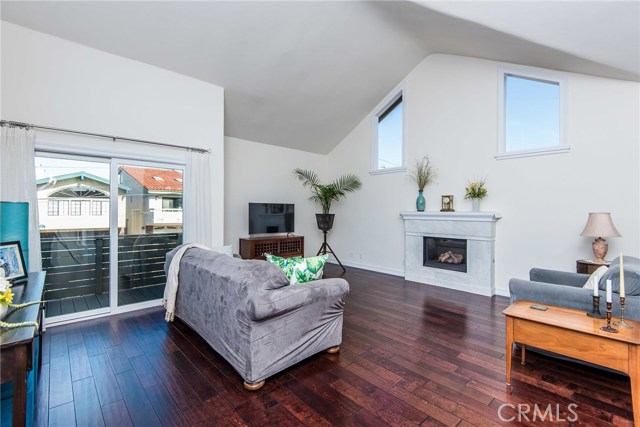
(599, 224)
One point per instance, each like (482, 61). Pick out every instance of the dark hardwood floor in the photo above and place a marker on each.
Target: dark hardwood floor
(411, 355)
(57, 307)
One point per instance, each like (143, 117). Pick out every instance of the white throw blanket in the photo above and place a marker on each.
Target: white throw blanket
(171, 289)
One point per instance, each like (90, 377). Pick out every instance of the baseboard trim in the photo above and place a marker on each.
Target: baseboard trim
(503, 292)
(369, 267)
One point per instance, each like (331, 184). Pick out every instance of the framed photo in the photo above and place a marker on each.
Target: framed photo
(11, 261)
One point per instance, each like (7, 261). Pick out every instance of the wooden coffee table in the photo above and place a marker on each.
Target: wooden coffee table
(572, 333)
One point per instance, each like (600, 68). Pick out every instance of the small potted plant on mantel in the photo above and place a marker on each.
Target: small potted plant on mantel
(476, 191)
(422, 174)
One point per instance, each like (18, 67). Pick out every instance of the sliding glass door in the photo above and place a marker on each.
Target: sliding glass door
(105, 227)
(153, 226)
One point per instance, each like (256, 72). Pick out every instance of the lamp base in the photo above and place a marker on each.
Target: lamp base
(600, 248)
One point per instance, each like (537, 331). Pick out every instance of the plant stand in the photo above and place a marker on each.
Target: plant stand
(325, 248)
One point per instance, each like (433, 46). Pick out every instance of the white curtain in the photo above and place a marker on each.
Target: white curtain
(18, 181)
(198, 204)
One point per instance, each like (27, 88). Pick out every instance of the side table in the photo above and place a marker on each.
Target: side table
(585, 266)
(17, 345)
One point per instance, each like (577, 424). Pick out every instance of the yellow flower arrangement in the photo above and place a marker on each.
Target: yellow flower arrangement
(6, 296)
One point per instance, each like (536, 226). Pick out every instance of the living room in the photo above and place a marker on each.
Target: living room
(451, 107)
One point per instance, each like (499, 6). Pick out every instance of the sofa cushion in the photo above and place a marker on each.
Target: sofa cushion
(594, 279)
(631, 276)
(298, 269)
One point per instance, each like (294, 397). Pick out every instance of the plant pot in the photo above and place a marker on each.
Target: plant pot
(325, 221)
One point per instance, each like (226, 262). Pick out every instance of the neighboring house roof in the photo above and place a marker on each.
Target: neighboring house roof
(59, 180)
(155, 179)
(81, 175)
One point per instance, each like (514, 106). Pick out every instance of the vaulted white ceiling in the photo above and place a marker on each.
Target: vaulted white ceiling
(303, 74)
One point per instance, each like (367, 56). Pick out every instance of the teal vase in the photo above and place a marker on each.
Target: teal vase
(420, 202)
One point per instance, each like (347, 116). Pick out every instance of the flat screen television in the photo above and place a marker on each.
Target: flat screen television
(271, 218)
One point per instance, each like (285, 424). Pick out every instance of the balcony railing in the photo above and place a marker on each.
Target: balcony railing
(166, 216)
(78, 265)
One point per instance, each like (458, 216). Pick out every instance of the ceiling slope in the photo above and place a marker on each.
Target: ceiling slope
(303, 74)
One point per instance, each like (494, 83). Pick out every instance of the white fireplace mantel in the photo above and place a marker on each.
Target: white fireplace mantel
(451, 216)
(477, 228)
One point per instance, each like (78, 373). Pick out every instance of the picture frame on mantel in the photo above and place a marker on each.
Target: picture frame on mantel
(12, 265)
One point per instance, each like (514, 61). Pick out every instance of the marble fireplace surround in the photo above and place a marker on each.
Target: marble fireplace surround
(478, 228)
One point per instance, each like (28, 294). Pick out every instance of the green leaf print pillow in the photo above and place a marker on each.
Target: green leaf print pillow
(298, 269)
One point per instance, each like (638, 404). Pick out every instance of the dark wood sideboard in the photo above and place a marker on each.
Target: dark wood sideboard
(282, 246)
(17, 345)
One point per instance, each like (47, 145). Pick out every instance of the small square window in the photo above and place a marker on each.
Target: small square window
(531, 114)
(388, 131)
(53, 209)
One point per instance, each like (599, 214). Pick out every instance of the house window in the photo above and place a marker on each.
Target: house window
(74, 207)
(53, 209)
(531, 115)
(388, 131)
(64, 207)
(96, 208)
(171, 203)
(85, 207)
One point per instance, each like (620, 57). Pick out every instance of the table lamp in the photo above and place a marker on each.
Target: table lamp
(600, 225)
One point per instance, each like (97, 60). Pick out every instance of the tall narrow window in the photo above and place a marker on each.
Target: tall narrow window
(531, 116)
(389, 136)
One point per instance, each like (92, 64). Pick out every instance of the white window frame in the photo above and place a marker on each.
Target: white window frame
(542, 76)
(379, 110)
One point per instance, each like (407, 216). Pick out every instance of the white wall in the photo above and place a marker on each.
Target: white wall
(52, 82)
(262, 173)
(451, 115)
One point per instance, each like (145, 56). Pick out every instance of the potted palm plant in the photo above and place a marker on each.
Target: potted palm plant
(422, 174)
(325, 194)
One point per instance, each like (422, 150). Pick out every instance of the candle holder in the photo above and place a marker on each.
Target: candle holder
(608, 328)
(595, 312)
(621, 322)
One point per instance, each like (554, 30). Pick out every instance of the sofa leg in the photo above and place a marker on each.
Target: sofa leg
(333, 350)
(253, 387)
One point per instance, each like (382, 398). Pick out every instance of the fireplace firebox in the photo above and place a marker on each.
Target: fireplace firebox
(447, 254)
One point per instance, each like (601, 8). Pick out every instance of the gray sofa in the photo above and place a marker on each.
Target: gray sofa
(565, 289)
(249, 314)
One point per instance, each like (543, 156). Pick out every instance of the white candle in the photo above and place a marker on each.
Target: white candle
(595, 286)
(609, 290)
(621, 277)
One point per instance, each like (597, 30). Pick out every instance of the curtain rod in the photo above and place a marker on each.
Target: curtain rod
(99, 135)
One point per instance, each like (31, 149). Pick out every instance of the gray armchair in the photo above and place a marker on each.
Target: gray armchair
(565, 289)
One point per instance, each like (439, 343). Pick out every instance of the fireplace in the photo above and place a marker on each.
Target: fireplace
(476, 229)
(445, 253)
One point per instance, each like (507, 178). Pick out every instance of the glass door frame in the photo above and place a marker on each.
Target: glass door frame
(114, 161)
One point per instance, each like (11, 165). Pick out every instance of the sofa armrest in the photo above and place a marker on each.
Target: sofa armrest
(558, 277)
(551, 294)
(279, 301)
